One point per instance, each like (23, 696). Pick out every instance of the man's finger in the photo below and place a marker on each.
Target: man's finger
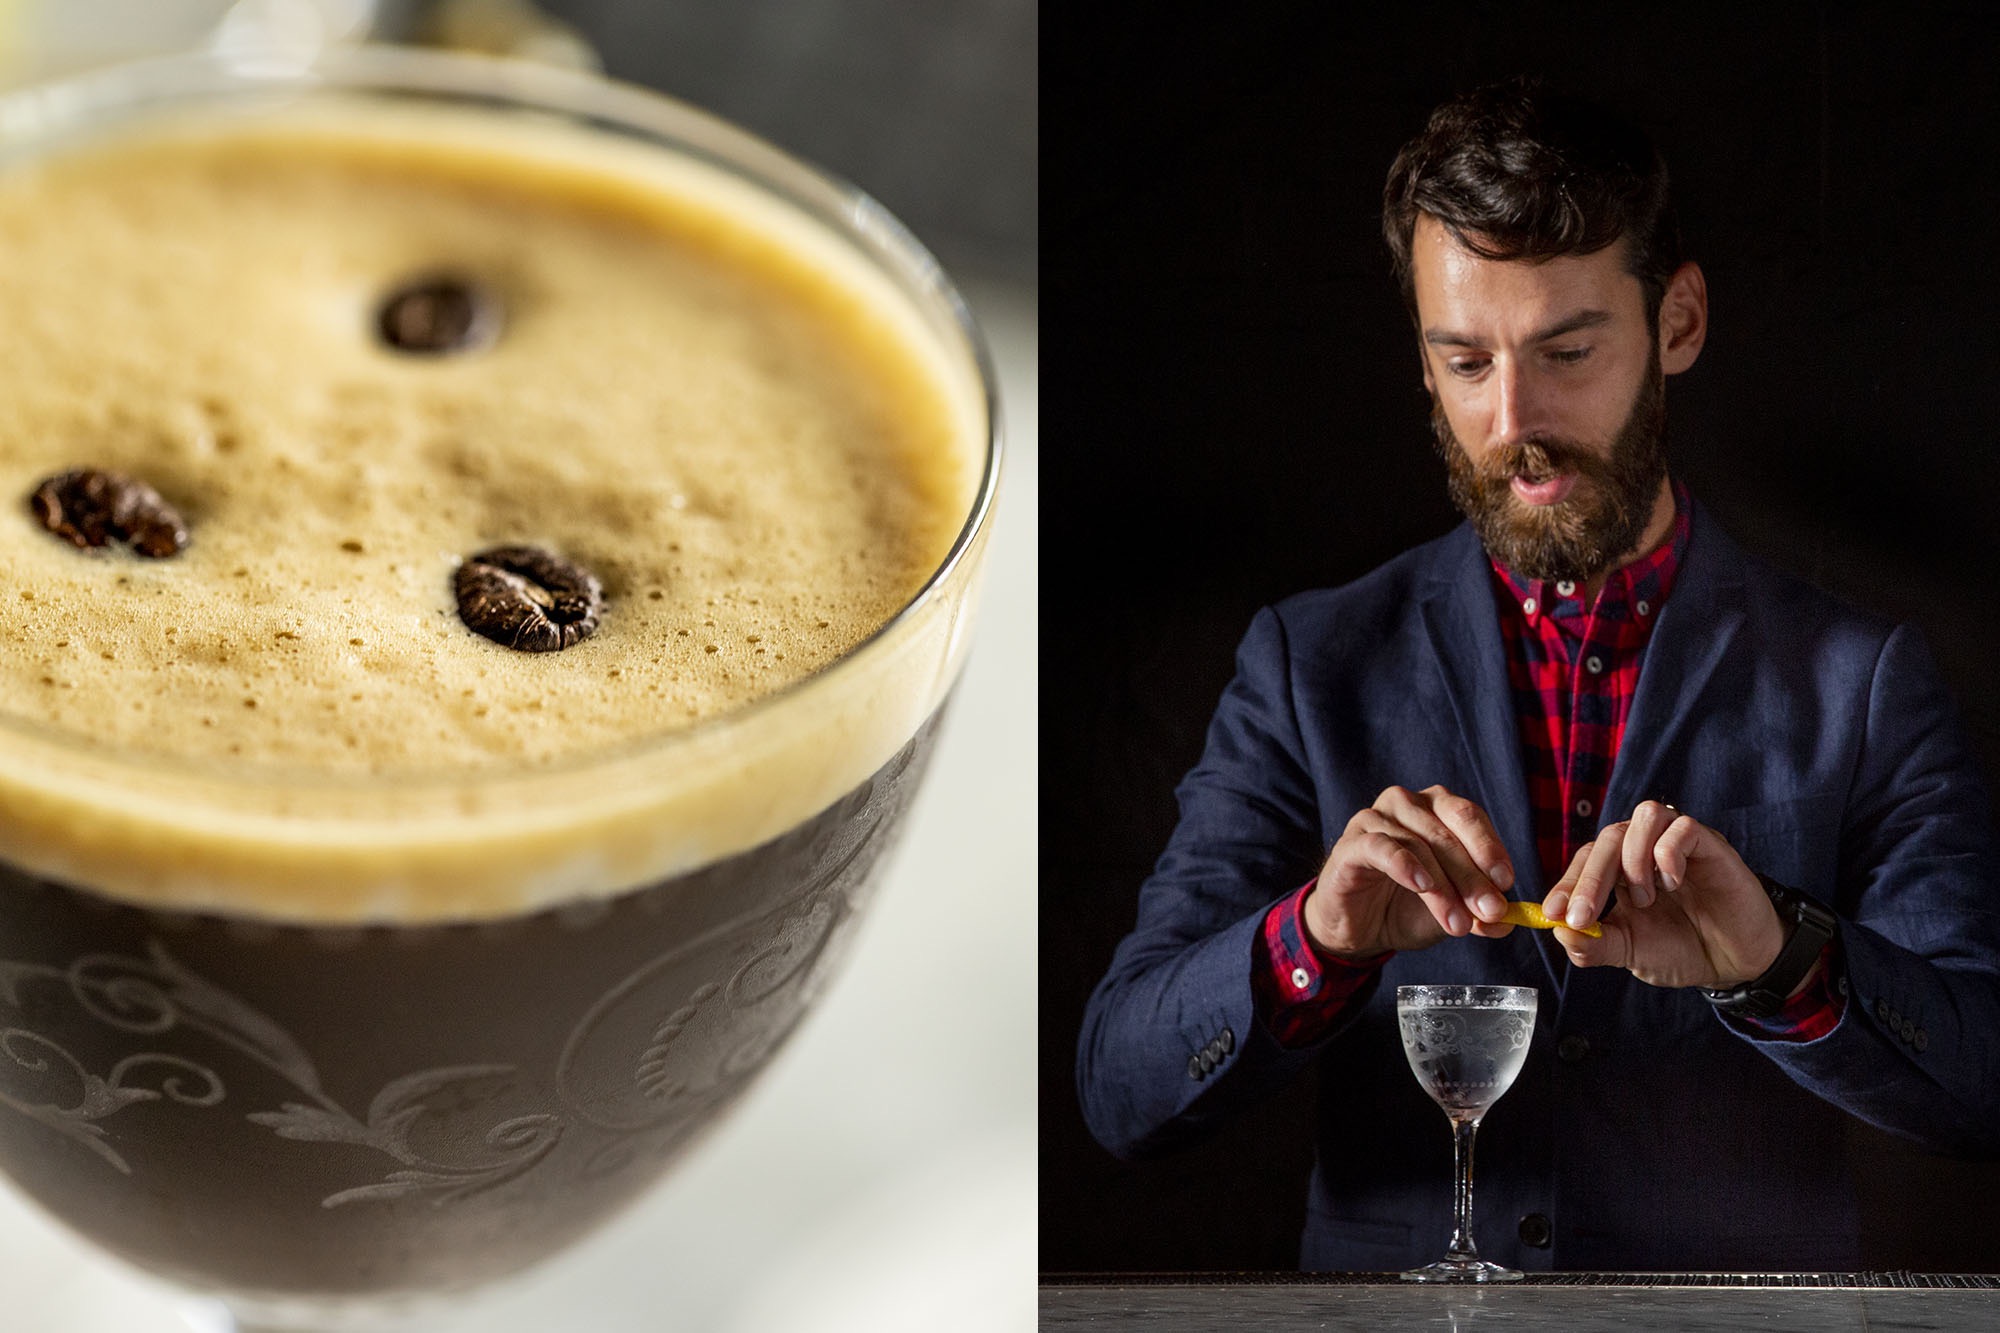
(1611, 948)
(1600, 874)
(1476, 834)
(1676, 846)
(1556, 901)
(1404, 858)
(1417, 813)
(1636, 860)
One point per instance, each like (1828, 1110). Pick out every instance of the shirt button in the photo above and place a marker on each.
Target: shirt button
(1565, 589)
(1593, 664)
(1535, 1231)
(1573, 1048)
(1529, 606)
(1644, 608)
(1584, 808)
(1301, 978)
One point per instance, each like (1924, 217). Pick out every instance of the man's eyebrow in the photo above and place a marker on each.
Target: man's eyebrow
(1582, 319)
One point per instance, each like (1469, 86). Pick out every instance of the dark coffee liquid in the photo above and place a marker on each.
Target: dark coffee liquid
(296, 1109)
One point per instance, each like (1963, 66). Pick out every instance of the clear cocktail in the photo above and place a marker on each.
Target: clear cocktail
(1465, 1044)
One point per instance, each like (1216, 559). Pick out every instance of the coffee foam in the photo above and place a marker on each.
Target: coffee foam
(743, 428)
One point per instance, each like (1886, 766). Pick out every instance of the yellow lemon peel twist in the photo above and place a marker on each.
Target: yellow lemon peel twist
(1527, 914)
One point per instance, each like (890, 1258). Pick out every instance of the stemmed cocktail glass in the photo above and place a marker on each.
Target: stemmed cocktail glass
(1465, 1045)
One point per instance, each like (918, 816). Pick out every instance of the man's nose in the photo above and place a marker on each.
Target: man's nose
(1517, 404)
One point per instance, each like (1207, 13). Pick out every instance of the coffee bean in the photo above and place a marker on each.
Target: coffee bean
(527, 598)
(89, 506)
(439, 313)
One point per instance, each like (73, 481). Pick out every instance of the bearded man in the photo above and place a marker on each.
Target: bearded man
(1749, 805)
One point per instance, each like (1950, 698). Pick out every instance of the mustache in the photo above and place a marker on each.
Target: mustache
(1540, 457)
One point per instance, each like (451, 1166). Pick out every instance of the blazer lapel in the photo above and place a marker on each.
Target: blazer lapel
(1697, 627)
(1464, 628)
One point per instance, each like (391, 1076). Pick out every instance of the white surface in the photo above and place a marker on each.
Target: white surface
(881, 1176)
(41, 39)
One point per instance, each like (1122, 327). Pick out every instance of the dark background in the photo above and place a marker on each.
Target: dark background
(1236, 414)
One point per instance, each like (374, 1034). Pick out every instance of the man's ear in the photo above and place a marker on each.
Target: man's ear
(1683, 319)
(1424, 360)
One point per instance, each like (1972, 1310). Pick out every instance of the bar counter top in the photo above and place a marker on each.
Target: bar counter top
(1557, 1302)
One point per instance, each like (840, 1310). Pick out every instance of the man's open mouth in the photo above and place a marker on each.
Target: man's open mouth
(1546, 490)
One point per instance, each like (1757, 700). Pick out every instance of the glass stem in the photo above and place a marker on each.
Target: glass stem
(1462, 1132)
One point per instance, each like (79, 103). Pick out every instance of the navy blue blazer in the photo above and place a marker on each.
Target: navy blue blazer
(1647, 1130)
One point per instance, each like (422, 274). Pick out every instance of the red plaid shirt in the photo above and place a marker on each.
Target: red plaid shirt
(1574, 668)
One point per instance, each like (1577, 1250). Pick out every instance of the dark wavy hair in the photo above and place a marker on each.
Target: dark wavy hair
(1515, 170)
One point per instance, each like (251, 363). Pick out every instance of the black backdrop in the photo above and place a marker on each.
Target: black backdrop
(1234, 413)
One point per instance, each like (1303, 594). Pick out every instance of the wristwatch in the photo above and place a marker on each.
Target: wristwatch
(1808, 926)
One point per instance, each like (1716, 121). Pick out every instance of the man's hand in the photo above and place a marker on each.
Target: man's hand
(1690, 913)
(1409, 870)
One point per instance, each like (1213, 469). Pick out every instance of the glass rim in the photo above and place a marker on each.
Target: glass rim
(1470, 995)
(35, 114)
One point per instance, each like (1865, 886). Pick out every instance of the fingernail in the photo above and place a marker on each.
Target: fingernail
(1553, 907)
(1492, 906)
(1423, 881)
(1578, 917)
(1457, 922)
(1672, 882)
(1501, 877)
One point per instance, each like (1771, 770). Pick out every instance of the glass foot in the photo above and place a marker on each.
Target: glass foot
(1462, 1270)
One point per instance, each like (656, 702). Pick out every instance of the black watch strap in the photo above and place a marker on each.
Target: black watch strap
(1808, 926)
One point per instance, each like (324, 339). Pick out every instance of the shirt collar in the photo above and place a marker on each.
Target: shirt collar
(1640, 587)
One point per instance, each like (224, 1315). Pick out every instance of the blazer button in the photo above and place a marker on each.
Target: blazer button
(1922, 1040)
(1572, 1048)
(1195, 1071)
(1535, 1231)
(1207, 1062)
(1909, 1030)
(1228, 1041)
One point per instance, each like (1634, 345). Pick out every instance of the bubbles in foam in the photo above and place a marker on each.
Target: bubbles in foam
(718, 426)
(699, 429)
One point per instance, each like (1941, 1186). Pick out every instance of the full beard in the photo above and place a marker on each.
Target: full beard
(1591, 529)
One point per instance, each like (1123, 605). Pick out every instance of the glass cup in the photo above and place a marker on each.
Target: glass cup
(232, 1071)
(1465, 1044)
